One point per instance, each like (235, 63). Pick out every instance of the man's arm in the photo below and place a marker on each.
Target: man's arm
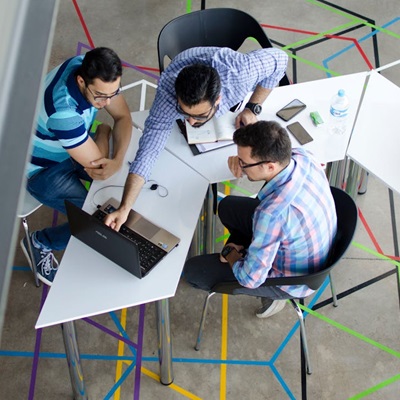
(247, 117)
(133, 185)
(269, 65)
(104, 167)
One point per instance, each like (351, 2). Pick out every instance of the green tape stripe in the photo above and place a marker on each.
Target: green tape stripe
(95, 124)
(383, 30)
(336, 11)
(319, 35)
(239, 189)
(376, 388)
(188, 6)
(313, 64)
(351, 331)
(354, 19)
(376, 254)
(221, 238)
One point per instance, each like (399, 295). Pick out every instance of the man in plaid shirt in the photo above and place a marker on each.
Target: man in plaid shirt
(287, 230)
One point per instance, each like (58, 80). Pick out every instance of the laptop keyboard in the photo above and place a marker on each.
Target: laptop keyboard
(149, 253)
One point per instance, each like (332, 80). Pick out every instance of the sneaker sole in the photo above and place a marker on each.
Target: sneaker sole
(28, 257)
(275, 307)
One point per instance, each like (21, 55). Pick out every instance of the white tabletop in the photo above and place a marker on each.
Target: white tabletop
(315, 94)
(212, 165)
(375, 142)
(89, 284)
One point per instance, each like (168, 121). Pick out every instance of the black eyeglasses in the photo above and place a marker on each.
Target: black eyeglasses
(196, 117)
(244, 165)
(103, 99)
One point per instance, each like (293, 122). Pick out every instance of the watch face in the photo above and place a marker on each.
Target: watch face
(226, 250)
(257, 109)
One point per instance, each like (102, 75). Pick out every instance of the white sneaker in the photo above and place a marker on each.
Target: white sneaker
(270, 307)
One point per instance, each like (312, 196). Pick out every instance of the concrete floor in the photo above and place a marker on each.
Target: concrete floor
(355, 348)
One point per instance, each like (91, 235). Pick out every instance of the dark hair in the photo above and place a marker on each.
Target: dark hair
(197, 83)
(267, 139)
(101, 63)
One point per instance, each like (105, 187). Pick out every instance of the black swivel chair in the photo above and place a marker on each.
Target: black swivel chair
(220, 27)
(346, 225)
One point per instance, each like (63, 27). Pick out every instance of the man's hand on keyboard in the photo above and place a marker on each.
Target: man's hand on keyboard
(116, 219)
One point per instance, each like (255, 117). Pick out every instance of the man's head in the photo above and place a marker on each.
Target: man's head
(99, 76)
(198, 89)
(264, 149)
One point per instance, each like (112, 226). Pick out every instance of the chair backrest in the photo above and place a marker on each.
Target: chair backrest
(347, 215)
(220, 27)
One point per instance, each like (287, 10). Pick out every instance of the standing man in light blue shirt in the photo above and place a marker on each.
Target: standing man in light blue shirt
(200, 83)
(63, 150)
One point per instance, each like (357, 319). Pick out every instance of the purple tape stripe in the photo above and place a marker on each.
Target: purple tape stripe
(110, 332)
(125, 64)
(139, 352)
(35, 362)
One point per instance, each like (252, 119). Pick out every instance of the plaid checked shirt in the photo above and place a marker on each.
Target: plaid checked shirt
(293, 227)
(239, 73)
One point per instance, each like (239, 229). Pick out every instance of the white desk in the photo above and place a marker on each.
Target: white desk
(375, 142)
(88, 284)
(315, 94)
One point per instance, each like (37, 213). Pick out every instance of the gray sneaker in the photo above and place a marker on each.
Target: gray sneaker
(44, 262)
(269, 307)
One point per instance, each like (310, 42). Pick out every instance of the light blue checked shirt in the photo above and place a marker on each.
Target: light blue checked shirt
(240, 74)
(293, 226)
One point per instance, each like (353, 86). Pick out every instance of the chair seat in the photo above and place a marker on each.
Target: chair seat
(29, 205)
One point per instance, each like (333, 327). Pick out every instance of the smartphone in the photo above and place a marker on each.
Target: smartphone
(297, 130)
(291, 109)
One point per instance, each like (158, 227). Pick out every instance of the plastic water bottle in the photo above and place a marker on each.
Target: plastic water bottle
(339, 110)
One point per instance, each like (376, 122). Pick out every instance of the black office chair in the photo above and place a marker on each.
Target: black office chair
(346, 225)
(220, 27)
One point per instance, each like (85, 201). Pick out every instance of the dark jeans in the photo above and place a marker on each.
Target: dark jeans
(51, 186)
(236, 214)
(204, 272)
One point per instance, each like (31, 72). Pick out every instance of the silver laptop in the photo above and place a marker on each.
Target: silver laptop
(139, 245)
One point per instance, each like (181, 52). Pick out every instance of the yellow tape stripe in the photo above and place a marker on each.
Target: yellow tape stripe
(177, 388)
(224, 346)
(224, 329)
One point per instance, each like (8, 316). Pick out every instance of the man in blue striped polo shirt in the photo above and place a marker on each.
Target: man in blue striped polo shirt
(63, 150)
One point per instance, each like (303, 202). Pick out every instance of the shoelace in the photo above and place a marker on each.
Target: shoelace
(46, 264)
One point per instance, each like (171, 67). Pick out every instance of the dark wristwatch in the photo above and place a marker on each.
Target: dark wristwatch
(226, 250)
(255, 108)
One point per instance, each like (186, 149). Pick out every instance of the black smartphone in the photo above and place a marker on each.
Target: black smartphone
(291, 109)
(297, 130)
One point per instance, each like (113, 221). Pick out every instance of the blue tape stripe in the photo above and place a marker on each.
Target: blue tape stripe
(122, 331)
(330, 58)
(119, 382)
(282, 382)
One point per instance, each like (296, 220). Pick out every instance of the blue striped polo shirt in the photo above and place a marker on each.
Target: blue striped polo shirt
(64, 119)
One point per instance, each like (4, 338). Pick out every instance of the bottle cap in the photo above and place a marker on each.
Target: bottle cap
(341, 93)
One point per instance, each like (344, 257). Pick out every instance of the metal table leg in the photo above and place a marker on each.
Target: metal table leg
(164, 342)
(74, 362)
(209, 242)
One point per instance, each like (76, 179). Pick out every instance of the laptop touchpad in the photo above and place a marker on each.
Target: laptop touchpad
(145, 228)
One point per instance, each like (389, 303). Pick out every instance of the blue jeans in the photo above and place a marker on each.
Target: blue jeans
(51, 186)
